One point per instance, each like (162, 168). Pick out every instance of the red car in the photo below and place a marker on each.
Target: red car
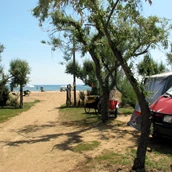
(162, 115)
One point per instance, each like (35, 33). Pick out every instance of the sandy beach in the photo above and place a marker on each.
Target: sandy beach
(36, 141)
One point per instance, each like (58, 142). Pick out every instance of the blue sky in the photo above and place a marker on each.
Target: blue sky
(21, 36)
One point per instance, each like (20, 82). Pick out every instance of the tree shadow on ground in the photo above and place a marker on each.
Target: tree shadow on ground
(159, 145)
(114, 129)
(35, 128)
(32, 140)
(72, 136)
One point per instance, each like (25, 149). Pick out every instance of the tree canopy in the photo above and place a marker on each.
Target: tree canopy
(1, 50)
(149, 67)
(3, 80)
(19, 70)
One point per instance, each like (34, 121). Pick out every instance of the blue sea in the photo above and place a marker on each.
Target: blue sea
(51, 87)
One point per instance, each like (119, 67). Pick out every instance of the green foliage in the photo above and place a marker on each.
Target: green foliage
(54, 43)
(3, 81)
(4, 95)
(169, 57)
(13, 101)
(82, 96)
(88, 93)
(73, 69)
(86, 73)
(128, 94)
(149, 67)
(19, 69)
(94, 91)
(1, 49)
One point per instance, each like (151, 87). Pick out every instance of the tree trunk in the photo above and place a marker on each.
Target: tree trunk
(139, 162)
(21, 96)
(105, 110)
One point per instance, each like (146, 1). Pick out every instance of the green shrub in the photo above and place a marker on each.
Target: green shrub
(4, 95)
(128, 96)
(94, 91)
(13, 101)
(82, 96)
(88, 92)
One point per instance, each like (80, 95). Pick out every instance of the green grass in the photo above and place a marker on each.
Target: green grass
(107, 161)
(113, 158)
(86, 146)
(159, 161)
(77, 116)
(126, 110)
(9, 112)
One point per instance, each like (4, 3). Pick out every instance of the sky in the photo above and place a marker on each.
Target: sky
(21, 35)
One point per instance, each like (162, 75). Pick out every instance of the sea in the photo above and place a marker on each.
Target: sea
(52, 87)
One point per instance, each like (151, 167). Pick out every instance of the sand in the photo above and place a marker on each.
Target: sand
(36, 141)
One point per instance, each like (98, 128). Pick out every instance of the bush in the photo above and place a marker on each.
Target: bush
(88, 92)
(13, 101)
(128, 94)
(129, 97)
(82, 96)
(4, 96)
(94, 91)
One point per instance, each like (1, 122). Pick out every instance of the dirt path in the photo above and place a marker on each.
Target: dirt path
(35, 141)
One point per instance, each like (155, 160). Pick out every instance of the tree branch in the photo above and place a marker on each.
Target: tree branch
(143, 52)
(113, 8)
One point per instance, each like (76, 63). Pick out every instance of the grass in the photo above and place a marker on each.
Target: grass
(113, 158)
(154, 161)
(126, 110)
(77, 116)
(86, 146)
(9, 112)
(107, 161)
(113, 161)
(159, 159)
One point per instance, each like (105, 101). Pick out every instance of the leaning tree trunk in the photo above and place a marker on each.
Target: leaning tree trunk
(21, 96)
(139, 162)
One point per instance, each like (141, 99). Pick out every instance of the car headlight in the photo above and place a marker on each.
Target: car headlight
(167, 118)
